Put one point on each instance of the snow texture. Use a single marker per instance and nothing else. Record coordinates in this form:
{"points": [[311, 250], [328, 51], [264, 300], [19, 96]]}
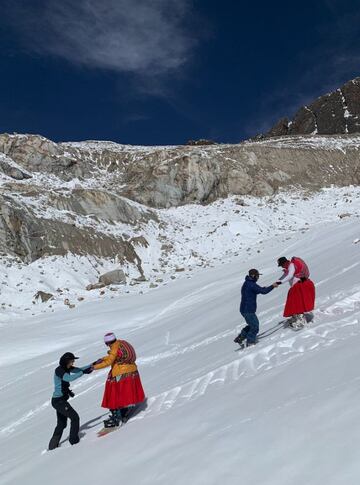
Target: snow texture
{"points": [[284, 412]]}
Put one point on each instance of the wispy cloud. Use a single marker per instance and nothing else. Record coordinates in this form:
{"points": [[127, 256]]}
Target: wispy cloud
{"points": [[142, 37]]}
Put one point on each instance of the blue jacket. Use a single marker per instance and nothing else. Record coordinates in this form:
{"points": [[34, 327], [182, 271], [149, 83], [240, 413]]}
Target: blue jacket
{"points": [[62, 379], [249, 291]]}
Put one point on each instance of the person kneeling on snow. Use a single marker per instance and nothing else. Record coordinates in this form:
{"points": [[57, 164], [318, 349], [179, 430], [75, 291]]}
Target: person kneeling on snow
{"points": [[64, 374], [301, 296], [123, 388], [249, 291]]}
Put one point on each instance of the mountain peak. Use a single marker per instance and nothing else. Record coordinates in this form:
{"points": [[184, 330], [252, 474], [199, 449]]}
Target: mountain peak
{"points": [[337, 112]]}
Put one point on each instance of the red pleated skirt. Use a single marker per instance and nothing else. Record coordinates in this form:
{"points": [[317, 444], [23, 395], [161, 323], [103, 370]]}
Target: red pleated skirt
{"points": [[300, 299], [123, 393]]}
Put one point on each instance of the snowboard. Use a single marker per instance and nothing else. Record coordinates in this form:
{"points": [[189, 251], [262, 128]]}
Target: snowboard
{"points": [[105, 431]]}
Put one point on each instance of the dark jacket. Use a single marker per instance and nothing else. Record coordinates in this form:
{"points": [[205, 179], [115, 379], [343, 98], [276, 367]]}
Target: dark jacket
{"points": [[62, 378], [249, 291]]}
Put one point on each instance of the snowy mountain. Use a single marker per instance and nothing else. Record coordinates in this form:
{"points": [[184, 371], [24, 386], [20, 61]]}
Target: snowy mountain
{"points": [[337, 112], [284, 412], [70, 212]]}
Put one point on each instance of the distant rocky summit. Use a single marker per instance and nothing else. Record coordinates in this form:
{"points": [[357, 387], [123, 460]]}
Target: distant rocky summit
{"points": [[334, 113]]}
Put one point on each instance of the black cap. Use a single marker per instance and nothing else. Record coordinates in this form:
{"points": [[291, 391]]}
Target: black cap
{"points": [[254, 273], [66, 358], [282, 261]]}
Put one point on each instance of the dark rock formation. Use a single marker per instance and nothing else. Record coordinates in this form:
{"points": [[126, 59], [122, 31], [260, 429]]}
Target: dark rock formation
{"points": [[334, 113]]}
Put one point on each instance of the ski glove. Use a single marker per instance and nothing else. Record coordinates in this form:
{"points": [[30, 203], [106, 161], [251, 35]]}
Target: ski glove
{"points": [[97, 362], [88, 370], [71, 393]]}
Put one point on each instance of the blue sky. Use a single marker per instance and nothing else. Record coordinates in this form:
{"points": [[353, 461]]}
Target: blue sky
{"points": [[166, 71]]}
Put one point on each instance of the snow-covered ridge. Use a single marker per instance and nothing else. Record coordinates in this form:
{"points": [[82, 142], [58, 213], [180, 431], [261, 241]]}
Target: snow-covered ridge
{"points": [[323, 142]]}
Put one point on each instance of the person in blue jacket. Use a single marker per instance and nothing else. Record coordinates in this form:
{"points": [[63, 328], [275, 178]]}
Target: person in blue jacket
{"points": [[249, 292], [64, 374]]}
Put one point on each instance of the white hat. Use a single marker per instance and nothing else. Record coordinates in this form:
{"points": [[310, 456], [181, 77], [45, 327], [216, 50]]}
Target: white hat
{"points": [[109, 337]]}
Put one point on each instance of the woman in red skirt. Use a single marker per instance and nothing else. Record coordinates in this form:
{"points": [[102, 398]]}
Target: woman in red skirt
{"points": [[123, 388], [301, 296]]}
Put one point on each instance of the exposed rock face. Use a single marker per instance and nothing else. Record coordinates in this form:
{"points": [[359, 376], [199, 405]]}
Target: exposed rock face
{"points": [[26, 235], [36, 153], [102, 205], [259, 168], [94, 197], [334, 113], [11, 169]]}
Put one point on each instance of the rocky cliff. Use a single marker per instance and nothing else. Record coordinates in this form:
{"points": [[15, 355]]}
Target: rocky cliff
{"points": [[337, 112], [96, 197]]}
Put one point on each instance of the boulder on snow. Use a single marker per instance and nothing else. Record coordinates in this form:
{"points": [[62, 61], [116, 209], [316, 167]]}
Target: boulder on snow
{"points": [[43, 296], [115, 277]]}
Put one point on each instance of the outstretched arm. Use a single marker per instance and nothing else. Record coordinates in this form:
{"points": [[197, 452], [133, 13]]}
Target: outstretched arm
{"points": [[289, 276], [263, 290], [73, 376], [109, 359]]}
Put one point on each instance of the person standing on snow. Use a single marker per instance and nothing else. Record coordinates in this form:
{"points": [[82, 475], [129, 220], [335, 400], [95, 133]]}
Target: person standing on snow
{"points": [[249, 291], [301, 296], [64, 374], [123, 388]]}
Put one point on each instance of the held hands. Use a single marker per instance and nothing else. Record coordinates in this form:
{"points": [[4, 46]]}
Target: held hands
{"points": [[88, 370]]}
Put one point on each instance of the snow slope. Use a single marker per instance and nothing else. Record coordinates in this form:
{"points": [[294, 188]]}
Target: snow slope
{"points": [[188, 238], [285, 412]]}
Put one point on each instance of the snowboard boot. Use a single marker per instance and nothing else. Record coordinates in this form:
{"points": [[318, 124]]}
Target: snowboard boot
{"points": [[114, 419], [239, 339], [298, 322], [126, 413]]}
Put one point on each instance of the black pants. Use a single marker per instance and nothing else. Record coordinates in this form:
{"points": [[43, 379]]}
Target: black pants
{"points": [[63, 412]]}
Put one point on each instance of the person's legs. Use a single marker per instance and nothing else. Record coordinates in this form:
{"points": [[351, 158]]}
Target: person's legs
{"points": [[60, 425], [243, 334], [75, 425], [64, 411], [58, 431], [253, 323]]}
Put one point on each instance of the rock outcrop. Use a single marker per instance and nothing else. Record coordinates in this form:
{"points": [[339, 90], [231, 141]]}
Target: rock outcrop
{"points": [[95, 198], [25, 234], [334, 113]]}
